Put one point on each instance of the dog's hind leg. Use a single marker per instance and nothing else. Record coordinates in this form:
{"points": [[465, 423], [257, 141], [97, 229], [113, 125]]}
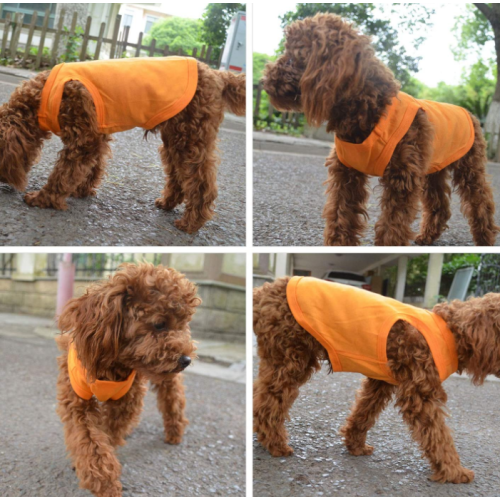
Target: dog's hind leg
{"points": [[172, 194], [436, 207], [120, 417], [344, 210], [88, 445], [420, 398], [470, 179], [371, 399], [288, 357], [171, 403], [199, 182], [83, 149]]}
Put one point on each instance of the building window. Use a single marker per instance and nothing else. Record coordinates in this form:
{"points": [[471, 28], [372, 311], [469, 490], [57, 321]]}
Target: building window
{"points": [[150, 20], [127, 19], [27, 9]]}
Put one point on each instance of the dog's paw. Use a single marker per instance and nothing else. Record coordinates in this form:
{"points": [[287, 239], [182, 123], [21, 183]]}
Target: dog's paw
{"points": [[456, 476], [112, 491], [165, 204], [184, 226], [40, 199], [173, 439], [424, 240], [281, 450], [84, 193], [361, 450]]}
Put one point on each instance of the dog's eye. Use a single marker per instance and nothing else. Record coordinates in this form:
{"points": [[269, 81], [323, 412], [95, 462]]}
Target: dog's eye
{"points": [[160, 326]]}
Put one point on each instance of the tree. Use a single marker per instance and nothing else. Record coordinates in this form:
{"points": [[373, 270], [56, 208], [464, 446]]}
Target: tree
{"points": [[368, 17], [177, 33], [259, 62], [215, 23], [480, 25]]}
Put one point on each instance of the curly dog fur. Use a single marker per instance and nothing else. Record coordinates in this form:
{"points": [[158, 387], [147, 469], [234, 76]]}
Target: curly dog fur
{"points": [[188, 151], [330, 72], [289, 356], [137, 320]]}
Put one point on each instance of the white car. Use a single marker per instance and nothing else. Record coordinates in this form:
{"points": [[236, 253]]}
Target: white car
{"points": [[347, 278]]}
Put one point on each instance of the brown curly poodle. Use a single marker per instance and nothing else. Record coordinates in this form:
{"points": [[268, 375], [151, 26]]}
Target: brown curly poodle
{"points": [[188, 152], [330, 72], [135, 322], [289, 355]]}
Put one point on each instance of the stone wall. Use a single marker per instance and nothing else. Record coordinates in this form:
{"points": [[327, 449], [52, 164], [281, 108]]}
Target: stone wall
{"points": [[221, 315]]}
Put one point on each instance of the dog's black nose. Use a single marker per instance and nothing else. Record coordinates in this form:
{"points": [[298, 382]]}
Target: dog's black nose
{"points": [[184, 361]]}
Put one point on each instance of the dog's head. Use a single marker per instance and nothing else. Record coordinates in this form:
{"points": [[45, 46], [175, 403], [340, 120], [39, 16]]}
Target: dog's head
{"points": [[326, 60], [138, 319], [475, 324]]}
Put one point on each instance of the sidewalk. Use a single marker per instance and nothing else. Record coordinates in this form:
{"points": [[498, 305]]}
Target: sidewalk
{"points": [[269, 142], [217, 359]]}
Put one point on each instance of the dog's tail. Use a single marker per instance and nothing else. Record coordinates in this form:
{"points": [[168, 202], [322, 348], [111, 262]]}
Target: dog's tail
{"points": [[234, 93]]}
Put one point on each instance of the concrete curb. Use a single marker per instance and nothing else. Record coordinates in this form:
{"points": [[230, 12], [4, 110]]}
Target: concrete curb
{"points": [[263, 141], [234, 123], [235, 373]]}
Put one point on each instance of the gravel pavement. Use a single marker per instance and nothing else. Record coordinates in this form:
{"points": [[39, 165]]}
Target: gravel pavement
{"points": [[123, 212], [321, 466], [209, 462], [289, 198]]}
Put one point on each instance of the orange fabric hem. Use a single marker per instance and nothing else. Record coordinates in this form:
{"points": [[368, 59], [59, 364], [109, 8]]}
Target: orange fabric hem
{"points": [[293, 303], [48, 115], [101, 389]]}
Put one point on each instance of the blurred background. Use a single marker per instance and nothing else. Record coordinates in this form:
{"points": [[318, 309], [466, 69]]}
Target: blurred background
{"points": [[421, 279]]}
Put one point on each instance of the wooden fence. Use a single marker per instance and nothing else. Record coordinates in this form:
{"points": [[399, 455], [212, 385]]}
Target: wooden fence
{"points": [[283, 119], [119, 42]]}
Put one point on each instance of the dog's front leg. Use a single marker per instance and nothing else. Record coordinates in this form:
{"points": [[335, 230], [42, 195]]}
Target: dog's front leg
{"points": [[344, 210], [120, 417], [421, 405], [371, 399], [402, 185], [87, 443], [171, 403]]}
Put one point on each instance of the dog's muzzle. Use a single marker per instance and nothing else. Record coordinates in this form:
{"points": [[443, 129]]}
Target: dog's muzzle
{"points": [[184, 361]]}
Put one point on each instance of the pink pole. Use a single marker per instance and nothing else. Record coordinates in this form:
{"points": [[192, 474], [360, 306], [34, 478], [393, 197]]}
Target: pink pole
{"points": [[65, 282]]}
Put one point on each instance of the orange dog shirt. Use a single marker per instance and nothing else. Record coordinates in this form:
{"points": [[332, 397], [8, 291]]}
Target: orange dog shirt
{"points": [[127, 93], [101, 389], [453, 136], [353, 325]]}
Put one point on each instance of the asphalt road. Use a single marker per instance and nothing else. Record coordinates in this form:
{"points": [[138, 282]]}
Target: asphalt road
{"points": [[321, 465], [209, 462], [123, 212], [289, 198]]}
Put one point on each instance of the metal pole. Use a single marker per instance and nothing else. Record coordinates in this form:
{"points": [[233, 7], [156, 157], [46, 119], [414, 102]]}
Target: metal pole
{"points": [[65, 283]]}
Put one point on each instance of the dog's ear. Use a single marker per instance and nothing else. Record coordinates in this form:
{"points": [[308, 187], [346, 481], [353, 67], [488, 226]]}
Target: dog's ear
{"points": [[337, 64], [95, 322], [13, 147]]}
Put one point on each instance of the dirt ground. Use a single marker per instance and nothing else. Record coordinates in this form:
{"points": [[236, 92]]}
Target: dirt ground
{"points": [[123, 212], [321, 465], [209, 462], [289, 198]]}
